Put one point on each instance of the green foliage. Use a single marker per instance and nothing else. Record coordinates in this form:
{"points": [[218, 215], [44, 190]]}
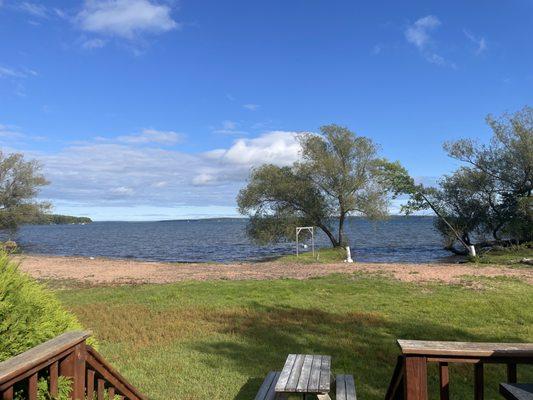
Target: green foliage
{"points": [[500, 177], [20, 181], [339, 174], [29, 314]]}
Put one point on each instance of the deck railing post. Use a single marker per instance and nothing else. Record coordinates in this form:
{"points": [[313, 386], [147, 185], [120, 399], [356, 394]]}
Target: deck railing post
{"points": [[415, 385], [444, 378], [73, 367], [511, 373], [478, 382]]}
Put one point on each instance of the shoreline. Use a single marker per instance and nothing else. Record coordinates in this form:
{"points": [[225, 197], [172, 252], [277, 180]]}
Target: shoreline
{"points": [[106, 271]]}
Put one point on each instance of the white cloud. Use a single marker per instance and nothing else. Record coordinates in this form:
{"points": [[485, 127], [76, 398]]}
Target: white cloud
{"points": [[113, 173], [480, 43], [419, 35], [419, 32], [93, 44], [125, 18], [277, 147], [229, 128], [152, 136], [251, 107]]}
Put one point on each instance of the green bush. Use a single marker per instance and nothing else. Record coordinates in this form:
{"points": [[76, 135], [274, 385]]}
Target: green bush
{"points": [[29, 313]]}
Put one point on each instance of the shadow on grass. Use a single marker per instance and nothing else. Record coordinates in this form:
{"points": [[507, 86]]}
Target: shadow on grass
{"points": [[363, 344]]}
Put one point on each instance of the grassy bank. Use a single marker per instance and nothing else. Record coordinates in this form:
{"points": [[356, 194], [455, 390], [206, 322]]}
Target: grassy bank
{"points": [[217, 339], [508, 256]]}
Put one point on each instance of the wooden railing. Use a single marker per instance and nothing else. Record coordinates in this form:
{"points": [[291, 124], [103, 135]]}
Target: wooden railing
{"points": [[409, 380], [67, 355]]}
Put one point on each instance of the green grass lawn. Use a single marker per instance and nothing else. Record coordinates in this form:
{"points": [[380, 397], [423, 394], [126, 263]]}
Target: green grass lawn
{"points": [[218, 339]]}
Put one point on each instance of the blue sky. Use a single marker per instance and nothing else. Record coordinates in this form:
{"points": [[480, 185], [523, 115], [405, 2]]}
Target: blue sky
{"points": [[153, 109]]}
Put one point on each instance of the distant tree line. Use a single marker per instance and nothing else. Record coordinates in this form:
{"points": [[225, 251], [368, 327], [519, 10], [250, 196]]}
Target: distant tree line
{"points": [[57, 219], [486, 201]]}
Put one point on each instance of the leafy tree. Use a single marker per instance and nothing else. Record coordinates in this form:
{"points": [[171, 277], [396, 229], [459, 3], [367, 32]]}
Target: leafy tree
{"points": [[339, 174], [20, 181], [506, 164], [491, 193]]}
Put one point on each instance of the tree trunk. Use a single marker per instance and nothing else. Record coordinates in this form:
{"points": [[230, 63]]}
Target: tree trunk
{"points": [[330, 235], [459, 238], [342, 217]]}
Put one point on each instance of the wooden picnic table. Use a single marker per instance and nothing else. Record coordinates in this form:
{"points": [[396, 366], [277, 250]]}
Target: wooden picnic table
{"points": [[306, 374]]}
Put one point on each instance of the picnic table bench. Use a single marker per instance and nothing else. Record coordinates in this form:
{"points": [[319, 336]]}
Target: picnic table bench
{"points": [[517, 391], [306, 374]]}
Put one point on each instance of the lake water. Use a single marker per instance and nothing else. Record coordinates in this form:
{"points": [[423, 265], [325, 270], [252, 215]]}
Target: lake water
{"points": [[398, 239]]}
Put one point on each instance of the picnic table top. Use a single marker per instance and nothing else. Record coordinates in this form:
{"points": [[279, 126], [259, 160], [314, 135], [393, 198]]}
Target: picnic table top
{"points": [[305, 373], [465, 349]]}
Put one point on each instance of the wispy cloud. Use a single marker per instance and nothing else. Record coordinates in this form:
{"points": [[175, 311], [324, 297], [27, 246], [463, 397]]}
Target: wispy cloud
{"points": [[93, 44], [419, 35], [251, 107], [479, 42], [16, 76], [126, 18], [152, 136], [229, 127], [33, 9]]}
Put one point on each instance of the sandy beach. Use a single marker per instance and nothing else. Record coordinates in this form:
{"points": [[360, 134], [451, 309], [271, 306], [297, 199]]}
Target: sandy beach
{"points": [[102, 271]]}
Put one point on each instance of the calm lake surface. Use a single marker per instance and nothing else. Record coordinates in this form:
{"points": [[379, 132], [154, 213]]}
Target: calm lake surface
{"points": [[399, 239]]}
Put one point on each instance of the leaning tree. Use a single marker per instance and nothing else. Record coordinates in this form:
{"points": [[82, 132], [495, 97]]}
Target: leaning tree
{"points": [[338, 174], [20, 181]]}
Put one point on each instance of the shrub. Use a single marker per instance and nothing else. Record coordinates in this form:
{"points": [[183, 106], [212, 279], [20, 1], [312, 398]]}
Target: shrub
{"points": [[29, 313]]}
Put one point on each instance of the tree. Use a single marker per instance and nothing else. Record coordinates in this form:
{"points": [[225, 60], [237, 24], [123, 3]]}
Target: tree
{"points": [[339, 174], [20, 181], [507, 164], [490, 194]]}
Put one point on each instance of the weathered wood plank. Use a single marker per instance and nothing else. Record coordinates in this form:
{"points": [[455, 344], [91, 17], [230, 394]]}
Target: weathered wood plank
{"points": [[292, 382], [325, 375], [271, 394], [303, 381], [314, 378], [285, 373], [40, 354], [350, 387], [341, 387], [268, 382], [517, 391], [465, 349]]}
